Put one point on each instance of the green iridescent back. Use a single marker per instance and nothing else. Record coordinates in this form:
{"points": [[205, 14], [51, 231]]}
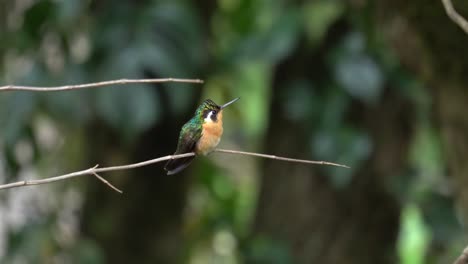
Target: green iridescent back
{"points": [[190, 134]]}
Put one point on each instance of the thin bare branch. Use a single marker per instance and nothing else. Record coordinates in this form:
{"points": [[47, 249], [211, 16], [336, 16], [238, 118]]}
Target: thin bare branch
{"points": [[144, 163], [92, 171], [95, 170], [96, 84], [280, 158], [455, 16], [107, 183], [48, 180]]}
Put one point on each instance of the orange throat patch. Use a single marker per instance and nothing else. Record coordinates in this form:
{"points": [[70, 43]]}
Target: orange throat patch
{"points": [[211, 135]]}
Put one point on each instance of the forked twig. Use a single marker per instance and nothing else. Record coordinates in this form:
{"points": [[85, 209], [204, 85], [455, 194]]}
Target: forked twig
{"points": [[92, 171], [95, 170]]}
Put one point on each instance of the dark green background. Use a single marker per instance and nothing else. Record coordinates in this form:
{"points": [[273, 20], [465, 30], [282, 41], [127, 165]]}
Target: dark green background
{"points": [[377, 85]]}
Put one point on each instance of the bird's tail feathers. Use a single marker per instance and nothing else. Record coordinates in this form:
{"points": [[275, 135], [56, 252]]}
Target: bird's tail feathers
{"points": [[176, 165]]}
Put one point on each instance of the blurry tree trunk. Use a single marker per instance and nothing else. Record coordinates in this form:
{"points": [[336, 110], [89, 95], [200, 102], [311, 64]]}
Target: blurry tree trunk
{"points": [[299, 205], [434, 47], [143, 225]]}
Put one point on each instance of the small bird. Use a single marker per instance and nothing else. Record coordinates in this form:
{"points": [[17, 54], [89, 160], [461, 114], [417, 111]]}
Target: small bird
{"points": [[201, 134]]}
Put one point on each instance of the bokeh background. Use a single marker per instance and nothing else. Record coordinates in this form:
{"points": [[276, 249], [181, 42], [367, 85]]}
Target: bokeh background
{"points": [[377, 85]]}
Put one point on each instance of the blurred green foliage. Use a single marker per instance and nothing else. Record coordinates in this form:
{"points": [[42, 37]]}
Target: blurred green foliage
{"points": [[236, 47], [414, 237]]}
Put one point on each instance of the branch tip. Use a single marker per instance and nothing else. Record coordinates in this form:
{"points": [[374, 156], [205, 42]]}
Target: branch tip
{"points": [[455, 16], [95, 84]]}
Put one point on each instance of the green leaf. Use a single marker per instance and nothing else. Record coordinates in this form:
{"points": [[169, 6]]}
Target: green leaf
{"points": [[414, 236], [361, 77], [271, 45], [282, 37], [165, 50], [357, 72]]}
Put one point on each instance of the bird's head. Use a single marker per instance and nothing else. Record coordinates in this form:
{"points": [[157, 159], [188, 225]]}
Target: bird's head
{"points": [[209, 111]]}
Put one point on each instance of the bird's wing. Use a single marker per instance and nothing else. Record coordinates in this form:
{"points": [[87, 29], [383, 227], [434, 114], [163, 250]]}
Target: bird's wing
{"points": [[188, 138]]}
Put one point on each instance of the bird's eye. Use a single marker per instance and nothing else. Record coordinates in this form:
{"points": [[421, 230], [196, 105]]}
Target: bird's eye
{"points": [[211, 116]]}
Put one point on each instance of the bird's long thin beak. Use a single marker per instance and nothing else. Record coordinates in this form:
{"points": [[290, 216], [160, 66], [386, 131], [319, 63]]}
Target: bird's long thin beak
{"points": [[230, 102]]}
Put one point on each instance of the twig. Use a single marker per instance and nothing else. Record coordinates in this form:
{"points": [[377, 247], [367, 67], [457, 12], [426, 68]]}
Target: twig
{"points": [[280, 158], [107, 183], [95, 170], [92, 171], [463, 258], [97, 84], [455, 16]]}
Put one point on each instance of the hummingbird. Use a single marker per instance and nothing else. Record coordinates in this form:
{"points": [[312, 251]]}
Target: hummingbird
{"points": [[200, 135]]}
